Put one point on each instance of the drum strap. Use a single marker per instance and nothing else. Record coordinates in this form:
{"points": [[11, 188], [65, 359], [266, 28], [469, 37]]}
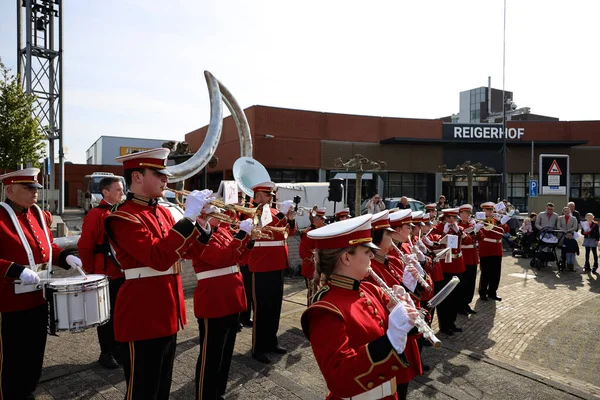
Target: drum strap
{"points": [[45, 228], [21, 235]]}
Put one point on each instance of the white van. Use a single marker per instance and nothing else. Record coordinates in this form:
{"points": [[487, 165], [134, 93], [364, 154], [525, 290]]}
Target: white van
{"points": [[311, 194]]}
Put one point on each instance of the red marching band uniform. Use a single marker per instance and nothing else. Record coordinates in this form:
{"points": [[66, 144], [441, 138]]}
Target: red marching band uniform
{"points": [[150, 308], [97, 258], [305, 250], [448, 309], [219, 299], [23, 308], [471, 257], [267, 261], [491, 252], [347, 324]]}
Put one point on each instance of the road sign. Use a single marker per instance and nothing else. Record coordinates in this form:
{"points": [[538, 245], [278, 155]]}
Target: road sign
{"points": [[554, 169], [533, 188]]}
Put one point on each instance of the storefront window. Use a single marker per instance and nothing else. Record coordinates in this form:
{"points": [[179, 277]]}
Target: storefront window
{"points": [[293, 176], [585, 186], [410, 185]]}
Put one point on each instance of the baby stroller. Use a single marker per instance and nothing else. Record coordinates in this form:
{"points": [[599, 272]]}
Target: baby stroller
{"points": [[523, 245], [547, 241]]}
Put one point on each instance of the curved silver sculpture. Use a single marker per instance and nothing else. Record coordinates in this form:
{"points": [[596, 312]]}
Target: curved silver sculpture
{"points": [[217, 92]]}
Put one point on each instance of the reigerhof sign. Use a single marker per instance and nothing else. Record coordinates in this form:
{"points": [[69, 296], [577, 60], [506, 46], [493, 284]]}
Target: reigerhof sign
{"points": [[475, 132], [554, 174]]}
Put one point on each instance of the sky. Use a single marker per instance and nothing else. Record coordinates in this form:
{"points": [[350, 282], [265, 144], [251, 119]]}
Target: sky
{"points": [[134, 68]]}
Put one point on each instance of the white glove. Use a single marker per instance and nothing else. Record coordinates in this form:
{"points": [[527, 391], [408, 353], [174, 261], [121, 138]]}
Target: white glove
{"points": [[427, 241], [420, 255], [421, 246], [408, 278], [74, 262], [285, 206], [478, 227], [210, 209], [399, 324], [455, 227], [447, 228], [195, 202], [247, 226], [28, 277]]}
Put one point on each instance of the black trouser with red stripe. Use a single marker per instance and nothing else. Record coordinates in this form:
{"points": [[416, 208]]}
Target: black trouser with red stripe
{"points": [[22, 346], [148, 367], [468, 281], [245, 316], [448, 309], [217, 339], [267, 293], [106, 335], [491, 268]]}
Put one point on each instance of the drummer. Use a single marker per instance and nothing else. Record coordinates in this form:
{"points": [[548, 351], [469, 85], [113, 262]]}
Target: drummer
{"points": [[359, 346], [148, 245], [98, 259], [23, 309]]}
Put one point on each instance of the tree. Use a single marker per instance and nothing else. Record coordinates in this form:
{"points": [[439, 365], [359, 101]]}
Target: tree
{"points": [[21, 140]]}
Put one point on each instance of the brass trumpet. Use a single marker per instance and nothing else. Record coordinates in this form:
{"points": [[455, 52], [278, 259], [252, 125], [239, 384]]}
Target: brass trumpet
{"points": [[488, 226], [311, 211]]}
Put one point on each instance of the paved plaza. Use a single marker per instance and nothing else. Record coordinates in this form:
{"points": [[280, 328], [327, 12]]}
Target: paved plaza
{"points": [[540, 342]]}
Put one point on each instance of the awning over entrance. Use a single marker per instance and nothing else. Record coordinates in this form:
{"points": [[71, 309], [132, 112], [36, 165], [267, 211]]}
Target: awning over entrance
{"points": [[350, 175]]}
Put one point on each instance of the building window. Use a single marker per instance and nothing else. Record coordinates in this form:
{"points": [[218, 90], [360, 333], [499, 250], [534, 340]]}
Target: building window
{"points": [[584, 186], [409, 185], [518, 190]]}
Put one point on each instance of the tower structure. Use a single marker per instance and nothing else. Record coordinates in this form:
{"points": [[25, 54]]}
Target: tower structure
{"points": [[39, 65]]}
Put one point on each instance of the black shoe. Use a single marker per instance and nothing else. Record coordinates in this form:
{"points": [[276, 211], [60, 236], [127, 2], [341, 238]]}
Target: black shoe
{"points": [[594, 270], [463, 312], [457, 329], [469, 310], [247, 322], [496, 298], [425, 367], [279, 350], [261, 357], [108, 361], [448, 331], [483, 298], [30, 396]]}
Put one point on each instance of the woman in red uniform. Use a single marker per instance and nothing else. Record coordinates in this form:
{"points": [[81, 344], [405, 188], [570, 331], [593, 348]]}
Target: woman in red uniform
{"points": [[307, 246], [358, 346], [219, 299]]}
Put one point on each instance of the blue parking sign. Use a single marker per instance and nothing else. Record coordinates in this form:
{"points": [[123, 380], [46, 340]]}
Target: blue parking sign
{"points": [[533, 188]]}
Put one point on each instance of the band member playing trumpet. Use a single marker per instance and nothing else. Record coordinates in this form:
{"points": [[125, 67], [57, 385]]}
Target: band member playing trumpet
{"points": [[97, 258], [306, 249], [342, 215], [431, 211], [358, 345], [490, 253], [391, 270], [218, 300], [267, 261], [148, 245], [26, 250]]}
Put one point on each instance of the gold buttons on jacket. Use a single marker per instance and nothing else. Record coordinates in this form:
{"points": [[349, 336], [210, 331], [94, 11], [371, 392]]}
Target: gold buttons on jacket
{"points": [[375, 312], [381, 377], [361, 294], [370, 385], [368, 302], [395, 368]]}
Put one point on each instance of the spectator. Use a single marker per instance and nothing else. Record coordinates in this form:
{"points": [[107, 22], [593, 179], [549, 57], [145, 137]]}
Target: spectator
{"points": [[574, 212], [567, 222], [527, 229], [442, 203], [375, 205], [403, 205], [547, 219], [569, 249], [590, 242]]}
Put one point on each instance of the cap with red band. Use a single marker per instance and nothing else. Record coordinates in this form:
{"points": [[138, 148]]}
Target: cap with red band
{"points": [[487, 206], [430, 207], [321, 211], [27, 177], [451, 212], [155, 159], [417, 217], [465, 207], [381, 220], [401, 217], [266, 187], [343, 212], [348, 233]]}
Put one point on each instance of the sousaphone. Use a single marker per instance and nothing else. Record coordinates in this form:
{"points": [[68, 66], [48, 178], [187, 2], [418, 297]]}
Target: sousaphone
{"points": [[248, 172]]}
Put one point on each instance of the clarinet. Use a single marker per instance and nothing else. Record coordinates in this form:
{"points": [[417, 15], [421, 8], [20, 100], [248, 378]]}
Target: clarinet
{"points": [[406, 261], [420, 323]]}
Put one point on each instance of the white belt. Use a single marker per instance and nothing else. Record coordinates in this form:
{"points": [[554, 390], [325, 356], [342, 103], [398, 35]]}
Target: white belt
{"points": [[468, 246], [146, 272], [234, 269], [276, 243], [379, 392], [492, 240]]}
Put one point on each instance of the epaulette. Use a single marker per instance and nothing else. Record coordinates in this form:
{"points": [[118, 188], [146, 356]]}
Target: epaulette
{"points": [[115, 212]]}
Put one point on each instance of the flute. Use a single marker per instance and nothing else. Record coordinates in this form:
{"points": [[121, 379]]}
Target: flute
{"points": [[420, 323], [406, 261]]}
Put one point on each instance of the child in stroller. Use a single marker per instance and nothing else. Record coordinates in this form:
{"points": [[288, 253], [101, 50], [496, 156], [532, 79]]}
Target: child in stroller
{"points": [[548, 240], [523, 245]]}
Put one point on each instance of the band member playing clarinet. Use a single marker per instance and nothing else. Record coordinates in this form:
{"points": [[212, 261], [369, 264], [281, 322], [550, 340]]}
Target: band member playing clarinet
{"points": [[359, 347], [471, 257], [218, 300], [26, 250], [148, 245], [97, 258], [306, 248], [267, 261]]}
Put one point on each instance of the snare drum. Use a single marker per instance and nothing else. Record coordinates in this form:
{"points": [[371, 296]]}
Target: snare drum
{"points": [[78, 303]]}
